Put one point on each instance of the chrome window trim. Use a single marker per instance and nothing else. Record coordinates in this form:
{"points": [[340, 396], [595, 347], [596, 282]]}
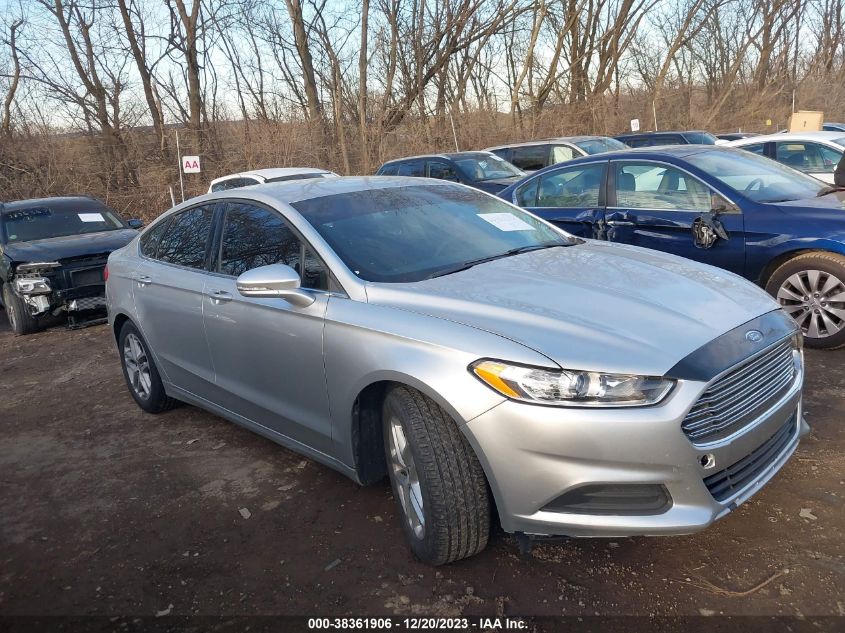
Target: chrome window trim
{"points": [[679, 168]]}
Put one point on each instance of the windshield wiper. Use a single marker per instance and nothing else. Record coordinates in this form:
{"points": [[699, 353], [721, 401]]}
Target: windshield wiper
{"points": [[483, 260], [827, 190]]}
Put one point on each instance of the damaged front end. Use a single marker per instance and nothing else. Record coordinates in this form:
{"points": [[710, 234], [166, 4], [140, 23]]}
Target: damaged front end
{"points": [[74, 287]]}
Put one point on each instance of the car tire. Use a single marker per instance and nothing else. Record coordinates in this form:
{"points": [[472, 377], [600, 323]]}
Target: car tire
{"points": [[437, 480], [20, 319], [140, 372], [811, 289]]}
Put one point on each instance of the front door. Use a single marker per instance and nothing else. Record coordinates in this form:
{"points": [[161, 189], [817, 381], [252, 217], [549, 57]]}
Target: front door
{"points": [[656, 205], [570, 197], [268, 353]]}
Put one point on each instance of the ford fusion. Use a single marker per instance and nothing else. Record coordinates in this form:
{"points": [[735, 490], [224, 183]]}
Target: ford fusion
{"points": [[484, 360]]}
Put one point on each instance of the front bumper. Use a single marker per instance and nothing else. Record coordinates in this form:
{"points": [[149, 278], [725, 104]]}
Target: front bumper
{"points": [[532, 455]]}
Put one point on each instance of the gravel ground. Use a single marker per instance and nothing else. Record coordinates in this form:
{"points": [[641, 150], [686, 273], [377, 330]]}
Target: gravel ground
{"points": [[109, 511]]}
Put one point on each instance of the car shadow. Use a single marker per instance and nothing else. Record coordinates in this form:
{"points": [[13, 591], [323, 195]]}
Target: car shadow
{"points": [[4, 322]]}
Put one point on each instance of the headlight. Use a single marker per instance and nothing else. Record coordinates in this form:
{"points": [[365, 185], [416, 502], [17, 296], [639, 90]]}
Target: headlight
{"points": [[33, 285], [570, 388]]}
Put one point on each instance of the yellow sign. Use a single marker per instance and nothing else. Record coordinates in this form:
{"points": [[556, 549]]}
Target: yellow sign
{"points": [[768, 121]]}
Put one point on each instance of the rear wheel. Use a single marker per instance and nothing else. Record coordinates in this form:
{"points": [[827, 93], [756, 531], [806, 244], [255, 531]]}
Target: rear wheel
{"points": [[437, 480], [20, 318], [140, 371], [811, 289]]}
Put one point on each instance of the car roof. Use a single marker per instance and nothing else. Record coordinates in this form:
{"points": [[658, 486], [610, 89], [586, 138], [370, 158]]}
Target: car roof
{"points": [[551, 139], [661, 132], [793, 136], [275, 172], [57, 202], [447, 155], [292, 191]]}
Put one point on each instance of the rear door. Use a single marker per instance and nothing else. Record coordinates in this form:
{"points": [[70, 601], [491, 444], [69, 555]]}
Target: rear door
{"points": [[168, 289], [570, 197], [655, 205]]}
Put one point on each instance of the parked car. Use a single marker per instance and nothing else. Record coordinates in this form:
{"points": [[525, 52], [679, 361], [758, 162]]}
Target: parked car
{"points": [[733, 136], [482, 170], [260, 176], [652, 139], [814, 153], [833, 127], [535, 155], [721, 206], [482, 359], [52, 255]]}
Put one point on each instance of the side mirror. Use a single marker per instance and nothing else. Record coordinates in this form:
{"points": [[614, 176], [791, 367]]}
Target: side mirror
{"points": [[276, 281], [135, 223], [718, 204]]}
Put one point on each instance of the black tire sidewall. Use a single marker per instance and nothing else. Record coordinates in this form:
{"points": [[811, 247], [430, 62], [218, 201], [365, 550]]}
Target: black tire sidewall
{"points": [[423, 548], [20, 320], [158, 398], [802, 264]]}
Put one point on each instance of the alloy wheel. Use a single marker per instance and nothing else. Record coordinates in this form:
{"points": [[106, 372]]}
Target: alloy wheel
{"points": [[407, 479], [137, 366], [816, 300]]}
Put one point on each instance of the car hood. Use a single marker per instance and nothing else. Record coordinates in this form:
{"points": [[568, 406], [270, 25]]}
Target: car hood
{"points": [[57, 248], [593, 306], [832, 202]]}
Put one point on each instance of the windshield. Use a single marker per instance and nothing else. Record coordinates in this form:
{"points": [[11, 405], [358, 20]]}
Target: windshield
{"points": [[700, 138], [411, 233], [482, 167], [39, 223], [600, 145], [756, 177]]}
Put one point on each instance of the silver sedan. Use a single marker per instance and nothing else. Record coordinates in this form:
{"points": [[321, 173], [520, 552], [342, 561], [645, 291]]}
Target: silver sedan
{"points": [[481, 358]]}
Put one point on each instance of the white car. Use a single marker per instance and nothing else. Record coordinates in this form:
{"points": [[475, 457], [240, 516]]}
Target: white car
{"points": [[814, 153], [259, 176]]}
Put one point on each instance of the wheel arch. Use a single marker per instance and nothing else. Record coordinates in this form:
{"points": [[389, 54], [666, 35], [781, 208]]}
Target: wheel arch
{"points": [[365, 421]]}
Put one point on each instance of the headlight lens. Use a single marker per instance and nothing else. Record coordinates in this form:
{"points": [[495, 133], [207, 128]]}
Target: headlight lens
{"points": [[33, 285], [571, 388]]}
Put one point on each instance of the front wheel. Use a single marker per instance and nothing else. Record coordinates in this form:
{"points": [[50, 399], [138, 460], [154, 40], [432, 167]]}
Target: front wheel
{"points": [[437, 480], [17, 311], [811, 289]]}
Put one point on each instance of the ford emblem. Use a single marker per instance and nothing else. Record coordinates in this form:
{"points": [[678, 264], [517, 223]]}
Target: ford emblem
{"points": [[754, 336]]}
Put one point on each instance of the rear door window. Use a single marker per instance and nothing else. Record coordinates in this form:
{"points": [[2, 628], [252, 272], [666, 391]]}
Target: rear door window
{"points": [[442, 171], [185, 241], [576, 187], [530, 157], [415, 168], [807, 157], [150, 239]]}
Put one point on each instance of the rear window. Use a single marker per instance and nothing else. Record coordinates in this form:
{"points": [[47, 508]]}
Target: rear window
{"points": [[700, 138], [45, 222]]}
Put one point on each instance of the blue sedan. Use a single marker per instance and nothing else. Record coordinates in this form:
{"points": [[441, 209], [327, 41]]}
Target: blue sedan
{"points": [[726, 207]]}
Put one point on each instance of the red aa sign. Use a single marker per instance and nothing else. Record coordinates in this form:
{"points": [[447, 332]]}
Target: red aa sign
{"points": [[191, 164]]}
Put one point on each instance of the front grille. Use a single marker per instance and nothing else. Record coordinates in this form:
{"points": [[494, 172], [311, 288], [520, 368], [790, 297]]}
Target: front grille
{"points": [[728, 482], [742, 395]]}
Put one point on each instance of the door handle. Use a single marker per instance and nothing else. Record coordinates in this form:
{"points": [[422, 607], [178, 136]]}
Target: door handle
{"points": [[144, 280], [619, 223], [220, 296]]}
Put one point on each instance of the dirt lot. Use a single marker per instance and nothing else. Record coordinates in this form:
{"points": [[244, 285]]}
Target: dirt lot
{"points": [[107, 510]]}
